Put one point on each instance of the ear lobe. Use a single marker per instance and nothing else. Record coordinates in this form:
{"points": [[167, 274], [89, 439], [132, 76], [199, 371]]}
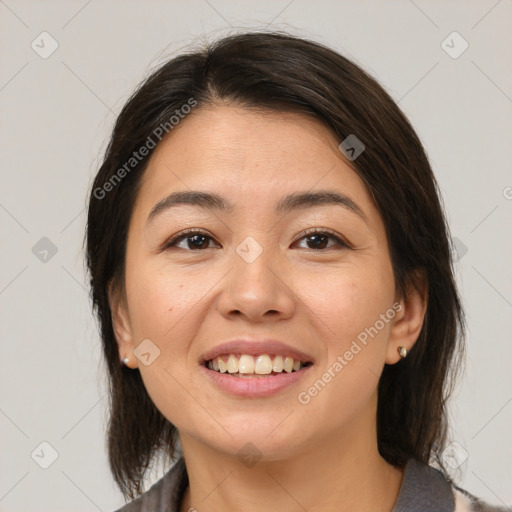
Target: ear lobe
{"points": [[121, 324], [409, 318]]}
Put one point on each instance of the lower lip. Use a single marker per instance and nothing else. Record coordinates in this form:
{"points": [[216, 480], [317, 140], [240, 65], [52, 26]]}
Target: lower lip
{"points": [[254, 386]]}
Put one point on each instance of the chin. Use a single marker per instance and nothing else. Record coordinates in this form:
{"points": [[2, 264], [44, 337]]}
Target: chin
{"points": [[259, 442]]}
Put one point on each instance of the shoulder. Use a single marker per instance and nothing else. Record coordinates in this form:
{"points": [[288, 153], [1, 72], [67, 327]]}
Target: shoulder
{"points": [[425, 488], [163, 496], [466, 502]]}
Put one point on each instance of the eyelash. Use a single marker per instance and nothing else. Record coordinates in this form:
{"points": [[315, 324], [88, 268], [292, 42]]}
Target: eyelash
{"points": [[187, 233]]}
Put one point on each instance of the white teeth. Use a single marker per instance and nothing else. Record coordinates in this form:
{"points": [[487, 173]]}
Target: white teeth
{"points": [[288, 364], [261, 365], [223, 367], [232, 364], [278, 364], [245, 364]]}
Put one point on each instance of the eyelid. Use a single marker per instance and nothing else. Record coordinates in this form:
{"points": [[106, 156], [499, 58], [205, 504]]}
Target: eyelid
{"points": [[182, 234], [309, 231]]}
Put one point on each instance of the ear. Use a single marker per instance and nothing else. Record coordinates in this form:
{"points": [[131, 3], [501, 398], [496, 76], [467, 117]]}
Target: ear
{"points": [[410, 315], [122, 326]]}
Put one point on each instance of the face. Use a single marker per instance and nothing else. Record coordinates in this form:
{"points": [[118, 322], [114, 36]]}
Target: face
{"points": [[314, 276]]}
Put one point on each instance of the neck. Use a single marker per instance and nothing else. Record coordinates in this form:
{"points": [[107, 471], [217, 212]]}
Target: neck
{"points": [[341, 472]]}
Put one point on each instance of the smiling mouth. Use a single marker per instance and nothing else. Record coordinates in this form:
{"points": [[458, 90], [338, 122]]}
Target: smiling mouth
{"points": [[247, 366]]}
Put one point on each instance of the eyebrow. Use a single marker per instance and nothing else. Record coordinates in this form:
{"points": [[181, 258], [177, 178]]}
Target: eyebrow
{"points": [[296, 201]]}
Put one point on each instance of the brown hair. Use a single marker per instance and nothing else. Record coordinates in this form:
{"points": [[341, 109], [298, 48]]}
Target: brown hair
{"points": [[280, 72]]}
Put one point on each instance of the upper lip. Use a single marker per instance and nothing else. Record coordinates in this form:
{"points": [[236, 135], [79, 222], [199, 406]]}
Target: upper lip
{"points": [[254, 347]]}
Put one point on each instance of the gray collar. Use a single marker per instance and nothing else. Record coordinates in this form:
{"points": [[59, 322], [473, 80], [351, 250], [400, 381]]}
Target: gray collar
{"points": [[423, 489]]}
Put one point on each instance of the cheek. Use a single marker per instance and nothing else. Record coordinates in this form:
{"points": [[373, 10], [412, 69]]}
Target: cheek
{"points": [[347, 302], [355, 340], [162, 308], [349, 306], [159, 301]]}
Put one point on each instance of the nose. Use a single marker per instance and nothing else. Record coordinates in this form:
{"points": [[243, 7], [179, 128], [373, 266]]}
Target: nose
{"points": [[257, 290]]}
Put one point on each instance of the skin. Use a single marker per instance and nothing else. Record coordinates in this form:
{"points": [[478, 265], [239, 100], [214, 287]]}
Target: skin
{"points": [[321, 456]]}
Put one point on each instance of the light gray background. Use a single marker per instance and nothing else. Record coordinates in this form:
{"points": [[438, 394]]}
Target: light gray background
{"points": [[56, 116]]}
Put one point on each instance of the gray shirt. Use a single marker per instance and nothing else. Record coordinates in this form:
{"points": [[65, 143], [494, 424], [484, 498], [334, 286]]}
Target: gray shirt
{"points": [[423, 489]]}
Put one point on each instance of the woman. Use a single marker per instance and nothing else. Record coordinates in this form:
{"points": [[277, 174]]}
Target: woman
{"points": [[270, 266]]}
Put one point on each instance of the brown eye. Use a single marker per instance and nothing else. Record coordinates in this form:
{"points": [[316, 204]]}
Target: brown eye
{"points": [[194, 240], [319, 239]]}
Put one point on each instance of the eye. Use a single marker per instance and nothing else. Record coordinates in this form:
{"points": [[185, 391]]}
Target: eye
{"points": [[319, 238], [196, 240], [193, 238]]}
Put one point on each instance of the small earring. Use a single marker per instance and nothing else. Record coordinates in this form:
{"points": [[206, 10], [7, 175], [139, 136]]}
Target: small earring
{"points": [[402, 351], [126, 360]]}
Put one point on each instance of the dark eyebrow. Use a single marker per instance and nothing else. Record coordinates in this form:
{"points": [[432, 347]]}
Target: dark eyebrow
{"points": [[296, 201], [206, 200], [322, 197]]}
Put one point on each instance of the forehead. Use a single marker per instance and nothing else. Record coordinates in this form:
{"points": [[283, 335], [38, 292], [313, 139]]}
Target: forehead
{"points": [[252, 157]]}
